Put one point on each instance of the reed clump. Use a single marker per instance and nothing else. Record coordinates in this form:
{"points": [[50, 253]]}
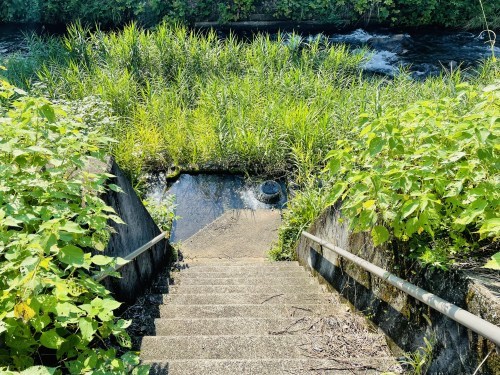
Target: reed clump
{"points": [[189, 99]]}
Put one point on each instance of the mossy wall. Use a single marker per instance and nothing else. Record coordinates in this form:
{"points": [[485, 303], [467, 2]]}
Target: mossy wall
{"points": [[404, 320]]}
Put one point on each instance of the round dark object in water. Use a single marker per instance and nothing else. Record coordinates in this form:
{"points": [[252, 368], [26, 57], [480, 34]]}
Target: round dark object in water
{"points": [[269, 192]]}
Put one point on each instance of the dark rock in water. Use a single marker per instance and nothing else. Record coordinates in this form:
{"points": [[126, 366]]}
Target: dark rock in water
{"points": [[398, 43], [269, 192]]}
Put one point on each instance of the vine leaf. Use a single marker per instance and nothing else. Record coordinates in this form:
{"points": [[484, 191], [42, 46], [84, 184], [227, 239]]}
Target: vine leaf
{"points": [[494, 263], [72, 255], [380, 234], [50, 339]]}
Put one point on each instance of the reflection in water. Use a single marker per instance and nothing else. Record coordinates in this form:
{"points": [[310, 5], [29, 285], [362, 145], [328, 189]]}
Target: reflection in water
{"points": [[200, 199]]}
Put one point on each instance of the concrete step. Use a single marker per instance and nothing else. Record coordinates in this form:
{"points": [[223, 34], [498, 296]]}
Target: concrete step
{"points": [[231, 289], [245, 310], [244, 261], [261, 347], [242, 273], [252, 281], [245, 299], [252, 326], [238, 267], [280, 366]]}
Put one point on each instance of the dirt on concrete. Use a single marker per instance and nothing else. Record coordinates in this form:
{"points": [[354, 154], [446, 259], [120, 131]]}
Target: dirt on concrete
{"points": [[243, 234]]}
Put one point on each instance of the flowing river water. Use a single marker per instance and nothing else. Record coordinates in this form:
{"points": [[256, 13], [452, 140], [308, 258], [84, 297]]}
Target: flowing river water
{"points": [[422, 53]]}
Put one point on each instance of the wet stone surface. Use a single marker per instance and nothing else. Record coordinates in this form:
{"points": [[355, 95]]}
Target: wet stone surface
{"points": [[200, 199]]}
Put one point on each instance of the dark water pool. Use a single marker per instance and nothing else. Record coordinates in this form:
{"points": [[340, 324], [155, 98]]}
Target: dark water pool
{"points": [[202, 198]]}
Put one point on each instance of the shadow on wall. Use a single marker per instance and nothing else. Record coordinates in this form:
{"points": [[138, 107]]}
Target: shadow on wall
{"points": [[137, 275], [403, 319]]}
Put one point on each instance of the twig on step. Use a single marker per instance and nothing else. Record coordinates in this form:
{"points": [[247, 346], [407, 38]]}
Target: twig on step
{"points": [[287, 329], [270, 298]]}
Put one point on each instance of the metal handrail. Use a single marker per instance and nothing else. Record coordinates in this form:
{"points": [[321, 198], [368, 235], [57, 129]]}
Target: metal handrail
{"points": [[129, 258], [465, 318]]}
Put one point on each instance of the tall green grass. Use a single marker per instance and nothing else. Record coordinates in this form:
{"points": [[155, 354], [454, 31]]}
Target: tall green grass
{"points": [[189, 100]]}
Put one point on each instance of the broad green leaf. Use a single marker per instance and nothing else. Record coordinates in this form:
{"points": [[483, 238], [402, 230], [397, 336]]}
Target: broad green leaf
{"points": [[475, 209], [101, 260], [380, 234], [48, 112], [110, 304], [67, 309], [124, 339], [9, 221], [72, 255], [39, 370], [88, 327], [50, 339], [494, 263], [24, 311], [334, 165], [115, 187], [141, 370], [336, 192], [376, 145], [456, 157], [408, 208], [369, 204], [490, 227], [71, 227], [39, 149]]}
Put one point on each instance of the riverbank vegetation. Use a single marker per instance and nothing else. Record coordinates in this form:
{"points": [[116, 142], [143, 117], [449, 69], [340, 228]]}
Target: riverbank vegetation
{"points": [[185, 101], [52, 311], [459, 13], [414, 161]]}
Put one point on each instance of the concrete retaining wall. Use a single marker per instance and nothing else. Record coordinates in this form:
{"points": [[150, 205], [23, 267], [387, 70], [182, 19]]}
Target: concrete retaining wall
{"points": [[404, 320], [139, 229]]}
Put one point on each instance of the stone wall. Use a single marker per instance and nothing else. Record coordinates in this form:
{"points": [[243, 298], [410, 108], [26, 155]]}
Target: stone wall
{"points": [[404, 320], [139, 229]]}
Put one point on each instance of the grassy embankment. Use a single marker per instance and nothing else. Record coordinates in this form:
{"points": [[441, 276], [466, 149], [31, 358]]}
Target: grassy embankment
{"points": [[185, 100]]}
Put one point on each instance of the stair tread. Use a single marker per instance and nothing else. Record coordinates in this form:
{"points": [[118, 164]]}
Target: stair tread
{"points": [[361, 344], [244, 289], [292, 272], [245, 310], [245, 298], [277, 366], [268, 280], [340, 323]]}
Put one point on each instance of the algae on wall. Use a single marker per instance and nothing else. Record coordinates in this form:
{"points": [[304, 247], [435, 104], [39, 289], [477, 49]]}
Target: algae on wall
{"points": [[404, 320]]}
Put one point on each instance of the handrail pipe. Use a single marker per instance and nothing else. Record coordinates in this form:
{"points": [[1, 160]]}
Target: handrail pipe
{"points": [[134, 254], [465, 318]]}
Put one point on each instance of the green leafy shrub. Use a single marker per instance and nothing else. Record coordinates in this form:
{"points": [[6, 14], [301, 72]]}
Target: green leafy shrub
{"points": [[426, 174], [162, 211], [52, 312], [303, 209], [457, 13]]}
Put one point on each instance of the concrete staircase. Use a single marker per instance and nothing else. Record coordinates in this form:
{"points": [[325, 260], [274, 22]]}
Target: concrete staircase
{"points": [[251, 316]]}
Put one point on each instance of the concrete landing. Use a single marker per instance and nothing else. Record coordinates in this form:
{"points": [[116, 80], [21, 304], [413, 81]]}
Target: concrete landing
{"points": [[244, 234]]}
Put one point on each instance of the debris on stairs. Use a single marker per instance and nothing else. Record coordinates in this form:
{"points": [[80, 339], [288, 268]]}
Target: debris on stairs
{"points": [[225, 314]]}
